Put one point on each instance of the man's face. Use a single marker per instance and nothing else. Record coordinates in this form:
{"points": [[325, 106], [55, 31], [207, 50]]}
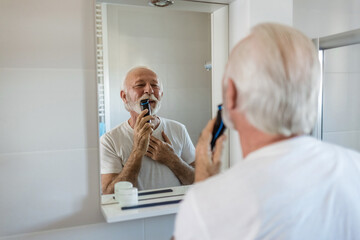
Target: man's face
{"points": [[142, 84]]}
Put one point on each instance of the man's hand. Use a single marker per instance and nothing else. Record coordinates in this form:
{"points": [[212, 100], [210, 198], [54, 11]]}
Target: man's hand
{"points": [[208, 163], [142, 132], [159, 150], [164, 153]]}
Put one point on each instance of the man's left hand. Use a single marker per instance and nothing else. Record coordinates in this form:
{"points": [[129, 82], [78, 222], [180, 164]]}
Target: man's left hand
{"points": [[159, 150]]}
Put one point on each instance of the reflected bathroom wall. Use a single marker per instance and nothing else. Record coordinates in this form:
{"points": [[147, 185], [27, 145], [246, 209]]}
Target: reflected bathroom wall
{"points": [[175, 44]]}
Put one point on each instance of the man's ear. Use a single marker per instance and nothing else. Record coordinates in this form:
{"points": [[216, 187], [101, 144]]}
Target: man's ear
{"points": [[123, 96], [231, 95]]}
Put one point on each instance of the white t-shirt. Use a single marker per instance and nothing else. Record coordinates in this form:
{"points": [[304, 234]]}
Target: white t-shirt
{"points": [[116, 146], [299, 188]]}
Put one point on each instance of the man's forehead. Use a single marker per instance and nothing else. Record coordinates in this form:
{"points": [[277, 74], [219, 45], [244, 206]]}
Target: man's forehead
{"points": [[142, 75]]}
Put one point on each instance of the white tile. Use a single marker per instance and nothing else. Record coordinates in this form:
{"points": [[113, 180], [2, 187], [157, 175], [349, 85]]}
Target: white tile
{"points": [[346, 139], [336, 60], [130, 230], [342, 59], [185, 52], [49, 190], [188, 76], [47, 109], [341, 102], [141, 51], [47, 34], [159, 228]]}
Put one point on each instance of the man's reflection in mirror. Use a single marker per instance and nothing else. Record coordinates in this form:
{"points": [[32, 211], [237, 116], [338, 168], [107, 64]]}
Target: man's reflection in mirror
{"points": [[149, 151]]}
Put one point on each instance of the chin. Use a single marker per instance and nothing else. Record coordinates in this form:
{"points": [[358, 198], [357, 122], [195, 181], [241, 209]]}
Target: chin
{"points": [[156, 109]]}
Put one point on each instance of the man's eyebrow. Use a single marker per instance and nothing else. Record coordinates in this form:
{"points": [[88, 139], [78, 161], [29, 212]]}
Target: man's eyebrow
{"points": [[139, 81]]}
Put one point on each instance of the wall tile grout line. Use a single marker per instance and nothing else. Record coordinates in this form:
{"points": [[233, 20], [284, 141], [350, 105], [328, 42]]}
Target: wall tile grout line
{"points": [[49, 151]]}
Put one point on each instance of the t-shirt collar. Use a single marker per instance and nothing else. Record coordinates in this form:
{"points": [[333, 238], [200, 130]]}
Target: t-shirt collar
{"points": [[284, 145]]}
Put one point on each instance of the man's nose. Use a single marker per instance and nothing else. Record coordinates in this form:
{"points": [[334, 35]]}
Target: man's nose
{"points": [[148, 89]]}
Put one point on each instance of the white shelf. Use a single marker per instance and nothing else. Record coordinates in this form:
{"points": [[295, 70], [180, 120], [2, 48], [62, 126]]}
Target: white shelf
{"points": [[113, 212]]}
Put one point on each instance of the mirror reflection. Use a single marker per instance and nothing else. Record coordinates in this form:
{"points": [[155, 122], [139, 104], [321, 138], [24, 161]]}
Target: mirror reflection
{"points": [[161, 56], [147, 150]]}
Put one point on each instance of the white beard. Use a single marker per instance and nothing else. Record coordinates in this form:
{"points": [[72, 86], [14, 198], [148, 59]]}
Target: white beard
{"points": [[135, 106]]}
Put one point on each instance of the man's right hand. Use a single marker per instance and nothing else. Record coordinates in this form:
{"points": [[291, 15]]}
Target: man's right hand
{"points": [[142, 132]]}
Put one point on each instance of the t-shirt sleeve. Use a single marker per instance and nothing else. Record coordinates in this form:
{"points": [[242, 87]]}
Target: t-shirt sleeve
{"points": [[188, 149], [110, 162], [188, 224]]}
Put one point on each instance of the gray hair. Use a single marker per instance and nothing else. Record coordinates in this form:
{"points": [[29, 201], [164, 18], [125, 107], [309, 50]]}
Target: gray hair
{"points": [[277, 75]]}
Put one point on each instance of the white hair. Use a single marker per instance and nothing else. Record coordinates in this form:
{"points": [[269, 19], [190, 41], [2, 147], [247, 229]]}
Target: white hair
{"points": [[277, 75]]}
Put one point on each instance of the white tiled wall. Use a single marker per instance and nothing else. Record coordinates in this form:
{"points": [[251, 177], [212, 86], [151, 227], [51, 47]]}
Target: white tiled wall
{"points": [[49, 168], [319, 18], [176, 44], [341, 99], [243, 15], [159, 228]]}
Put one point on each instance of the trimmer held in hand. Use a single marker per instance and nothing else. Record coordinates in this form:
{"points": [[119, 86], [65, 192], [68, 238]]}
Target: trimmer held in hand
{"points": [[145, 104], [219, 127]]}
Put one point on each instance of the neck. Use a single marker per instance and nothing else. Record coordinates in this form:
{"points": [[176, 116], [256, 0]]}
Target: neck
{"points": [[252, 139], [256, 140], [134, 116]]}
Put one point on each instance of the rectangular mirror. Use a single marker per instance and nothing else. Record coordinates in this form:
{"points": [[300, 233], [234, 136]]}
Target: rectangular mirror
{"points": [[178, 43]]}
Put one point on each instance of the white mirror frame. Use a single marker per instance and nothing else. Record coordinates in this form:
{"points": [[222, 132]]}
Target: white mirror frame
{"points": [[219, 55]]}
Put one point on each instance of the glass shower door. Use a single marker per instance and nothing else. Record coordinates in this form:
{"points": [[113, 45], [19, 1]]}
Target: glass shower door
{"points": [[341, 95]]}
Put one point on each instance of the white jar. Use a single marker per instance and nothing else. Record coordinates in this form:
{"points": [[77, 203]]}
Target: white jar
{"points": [[121, 185], [127, 197]]}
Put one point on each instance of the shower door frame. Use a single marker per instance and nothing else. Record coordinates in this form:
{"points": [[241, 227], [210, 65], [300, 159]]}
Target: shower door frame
{"points": [[324, 43]]}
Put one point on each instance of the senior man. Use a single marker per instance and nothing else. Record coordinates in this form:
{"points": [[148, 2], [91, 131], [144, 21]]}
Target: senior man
{"points": [[149, 151], [289, 185]]}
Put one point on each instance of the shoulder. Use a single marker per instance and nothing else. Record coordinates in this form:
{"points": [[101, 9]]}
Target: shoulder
{"points": [[216, 199], [115, 133], [339, 151], [229, 183], [213, 184], [173, 124]]}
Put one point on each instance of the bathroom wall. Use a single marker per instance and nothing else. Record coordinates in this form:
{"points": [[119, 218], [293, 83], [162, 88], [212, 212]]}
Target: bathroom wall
{"points": [[175, 44], [321, 18], [341, 101], [49, 169], [244, 14]]}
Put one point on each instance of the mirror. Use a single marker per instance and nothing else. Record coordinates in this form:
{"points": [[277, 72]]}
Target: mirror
{"points": [[177, 43]]}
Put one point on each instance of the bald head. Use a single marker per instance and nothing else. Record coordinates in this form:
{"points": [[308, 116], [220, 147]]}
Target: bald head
{"points": [[136, 73]]}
